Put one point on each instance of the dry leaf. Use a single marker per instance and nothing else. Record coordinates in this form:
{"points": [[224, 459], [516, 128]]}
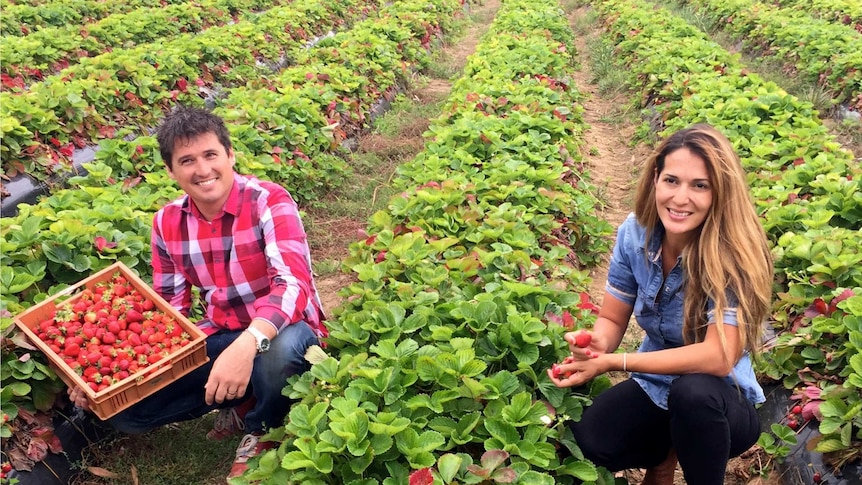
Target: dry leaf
{"points": [[315, 354], [135, 475], [101, 472]]}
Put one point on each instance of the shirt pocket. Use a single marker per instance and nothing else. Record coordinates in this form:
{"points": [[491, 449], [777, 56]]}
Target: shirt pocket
{"points": [[248, 265], [643, 305]]}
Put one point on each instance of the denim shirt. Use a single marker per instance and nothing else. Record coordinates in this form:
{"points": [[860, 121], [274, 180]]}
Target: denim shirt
{"points": [[657, 302]]}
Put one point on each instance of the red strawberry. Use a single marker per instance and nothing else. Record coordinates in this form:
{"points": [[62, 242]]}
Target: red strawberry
{"points": [[583, 340]]}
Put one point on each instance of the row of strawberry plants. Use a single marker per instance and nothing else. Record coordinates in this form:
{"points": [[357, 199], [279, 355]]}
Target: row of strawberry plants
{"points": [[821, 51], [469, 279], [805, 186], [20, 19], [105, 215], [89, 101], [289, 126], [51, 50], [847, 12]]}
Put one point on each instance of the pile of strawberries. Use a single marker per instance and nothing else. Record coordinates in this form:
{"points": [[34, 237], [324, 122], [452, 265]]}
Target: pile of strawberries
{"points": [[110, 332]]}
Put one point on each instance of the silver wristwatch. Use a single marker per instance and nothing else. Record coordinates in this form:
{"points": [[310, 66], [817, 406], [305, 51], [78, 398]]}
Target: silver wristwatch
{"points": [[260, 338]]}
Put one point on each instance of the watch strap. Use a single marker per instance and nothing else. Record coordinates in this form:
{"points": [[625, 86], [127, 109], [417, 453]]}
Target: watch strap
{"points": [[259, 338]]}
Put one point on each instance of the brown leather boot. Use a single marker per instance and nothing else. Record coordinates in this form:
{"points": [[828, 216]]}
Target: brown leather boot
{"points": [[662, 474]]}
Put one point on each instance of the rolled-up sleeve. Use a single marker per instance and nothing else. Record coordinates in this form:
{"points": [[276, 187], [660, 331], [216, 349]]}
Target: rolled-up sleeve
{"points": [[729, 313]]}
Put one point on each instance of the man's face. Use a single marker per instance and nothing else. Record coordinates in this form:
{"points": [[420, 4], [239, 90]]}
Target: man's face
{"points": [[203, 168]]}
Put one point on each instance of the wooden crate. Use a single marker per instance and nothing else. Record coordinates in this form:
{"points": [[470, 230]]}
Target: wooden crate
{"points": [[125, 393]]}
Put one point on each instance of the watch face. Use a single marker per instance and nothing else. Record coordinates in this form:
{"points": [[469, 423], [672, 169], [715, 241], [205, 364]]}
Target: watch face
{"points": [[264, 345]]}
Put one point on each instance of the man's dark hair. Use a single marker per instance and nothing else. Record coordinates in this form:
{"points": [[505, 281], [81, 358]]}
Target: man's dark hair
{"points": [[185, 123]]}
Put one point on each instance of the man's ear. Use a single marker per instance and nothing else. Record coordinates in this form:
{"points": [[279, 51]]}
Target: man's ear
{"points": [[232, 157], [170, 172]]}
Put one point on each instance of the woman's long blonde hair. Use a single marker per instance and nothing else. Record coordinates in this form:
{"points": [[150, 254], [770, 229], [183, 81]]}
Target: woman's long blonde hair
{"points": [[730, 256]]}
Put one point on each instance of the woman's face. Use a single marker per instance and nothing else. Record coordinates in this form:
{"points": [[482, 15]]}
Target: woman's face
{"points": [[683, 194]]}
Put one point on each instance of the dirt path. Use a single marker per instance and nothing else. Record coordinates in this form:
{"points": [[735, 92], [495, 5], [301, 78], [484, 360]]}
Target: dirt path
{"points": [[407, 144]]}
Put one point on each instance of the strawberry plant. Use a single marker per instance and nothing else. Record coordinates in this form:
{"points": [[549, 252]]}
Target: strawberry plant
{"points": [[825, 52], [438, 358], [90, 100]]}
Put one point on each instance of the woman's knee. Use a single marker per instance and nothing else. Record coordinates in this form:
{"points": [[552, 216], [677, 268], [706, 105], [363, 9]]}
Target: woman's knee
{"points": [[695, 391]]}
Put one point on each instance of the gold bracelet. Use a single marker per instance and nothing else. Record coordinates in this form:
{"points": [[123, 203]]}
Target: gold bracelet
{"points": [[624, 361]]}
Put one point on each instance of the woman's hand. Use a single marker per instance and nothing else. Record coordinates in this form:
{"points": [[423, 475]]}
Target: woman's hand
{"points": [[585, 344], [573, 372]]}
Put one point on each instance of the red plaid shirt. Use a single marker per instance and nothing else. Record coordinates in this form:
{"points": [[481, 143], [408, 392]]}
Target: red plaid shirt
{"points": [[251, 261]]}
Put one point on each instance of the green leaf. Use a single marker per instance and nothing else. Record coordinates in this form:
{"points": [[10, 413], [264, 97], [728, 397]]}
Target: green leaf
{"points": [[448, 466], [12, 281], [581, 470], [852, 305], [502, 430], [829, 446]]}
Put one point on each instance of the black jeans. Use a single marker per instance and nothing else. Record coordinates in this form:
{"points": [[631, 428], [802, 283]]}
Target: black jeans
{"points": [[707, 423]]}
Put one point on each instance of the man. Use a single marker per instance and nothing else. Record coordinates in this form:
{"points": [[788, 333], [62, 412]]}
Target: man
{"points": [[241, 243]]}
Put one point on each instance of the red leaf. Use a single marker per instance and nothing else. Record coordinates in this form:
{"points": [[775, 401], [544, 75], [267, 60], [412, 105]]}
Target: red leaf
{"points": [[422, 477], [128, 184], [37, 450], [568, 320], [106, 131], [552, 317], [67, 150], [102, 243], [585, 304]]}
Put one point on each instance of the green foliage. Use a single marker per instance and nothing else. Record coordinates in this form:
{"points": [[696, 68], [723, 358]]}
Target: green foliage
{"points": [[437, 362]]}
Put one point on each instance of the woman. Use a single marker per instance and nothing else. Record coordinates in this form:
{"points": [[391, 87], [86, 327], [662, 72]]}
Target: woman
{"points": [[693, 265]]}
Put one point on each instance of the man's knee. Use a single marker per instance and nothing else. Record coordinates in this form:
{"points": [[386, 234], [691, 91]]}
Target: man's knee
{"points": [[287, 354]]}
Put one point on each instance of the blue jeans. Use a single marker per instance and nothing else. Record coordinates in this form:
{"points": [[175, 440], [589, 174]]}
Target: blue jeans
{"points": [[184, 399]]}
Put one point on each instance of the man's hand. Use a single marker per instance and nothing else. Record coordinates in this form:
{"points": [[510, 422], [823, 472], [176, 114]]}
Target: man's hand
{"points": [[79, 398], [231, 370]]}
